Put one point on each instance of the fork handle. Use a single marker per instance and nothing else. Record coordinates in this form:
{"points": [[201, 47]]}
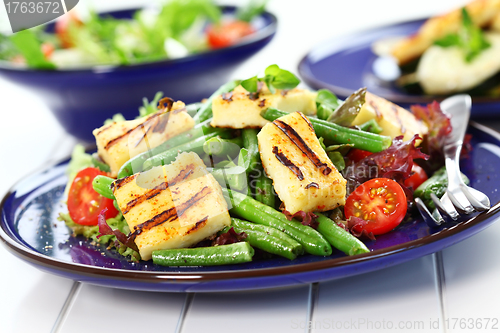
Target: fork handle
{"points": [[452, 156]]}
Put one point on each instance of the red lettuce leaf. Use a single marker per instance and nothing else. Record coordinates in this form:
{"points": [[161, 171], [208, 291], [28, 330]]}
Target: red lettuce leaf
{"points": [[308, 219], [439, 125], [356, 227], [229, 237], [105, 229], [395, 163]]}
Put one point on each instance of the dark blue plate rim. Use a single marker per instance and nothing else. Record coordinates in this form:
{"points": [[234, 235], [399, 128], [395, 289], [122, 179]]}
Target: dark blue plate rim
{"points": [[258, 278], [261, 34], [358, 40]]}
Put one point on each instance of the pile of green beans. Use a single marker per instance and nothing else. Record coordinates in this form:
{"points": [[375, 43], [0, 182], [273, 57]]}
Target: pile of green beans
{"points": [[268, 239], [255, 211]]}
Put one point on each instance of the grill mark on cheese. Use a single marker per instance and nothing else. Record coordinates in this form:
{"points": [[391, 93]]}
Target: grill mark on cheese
{"points": [[228, 97], [307, 121], [118, 138], [104, 128], [313, 184], [400, 121], [302, 145], [286, 162], [171, 214], [198, 225], [117, 184], [374, 105], [183, 174]]}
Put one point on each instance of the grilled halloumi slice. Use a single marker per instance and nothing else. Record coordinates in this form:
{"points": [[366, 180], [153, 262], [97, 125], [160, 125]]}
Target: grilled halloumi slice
{"points": [[241, 109], [393, 119], [118, 142], [173, 206], [303, 176], [482, 13], [445, 71]]}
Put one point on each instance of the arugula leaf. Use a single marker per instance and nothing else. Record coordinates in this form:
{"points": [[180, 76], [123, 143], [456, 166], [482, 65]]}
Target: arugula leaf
{"points": [[275, 78], [470, 38], [252, 9], [30, 47]]}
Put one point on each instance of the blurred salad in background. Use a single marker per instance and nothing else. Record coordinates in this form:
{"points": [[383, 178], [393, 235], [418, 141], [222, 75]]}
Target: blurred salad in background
{"points": [[175, 29]]}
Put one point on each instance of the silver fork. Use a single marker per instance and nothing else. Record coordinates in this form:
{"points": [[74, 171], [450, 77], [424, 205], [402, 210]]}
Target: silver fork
{"points": [[458, 198]]}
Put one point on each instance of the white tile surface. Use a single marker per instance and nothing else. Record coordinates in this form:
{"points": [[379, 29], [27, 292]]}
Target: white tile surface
{"points": [[472, 271], [257, 311], [399, 298], [30, 299], [99, 309]]}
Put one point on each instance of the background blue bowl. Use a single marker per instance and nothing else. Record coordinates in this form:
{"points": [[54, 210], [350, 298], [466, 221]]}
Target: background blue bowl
{"points": [[82, 99]]}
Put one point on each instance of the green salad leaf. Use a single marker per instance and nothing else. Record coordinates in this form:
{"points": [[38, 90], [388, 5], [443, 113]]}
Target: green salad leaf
{"points": [[29, 46], [251, 10], [275, 78], [470, 38]]}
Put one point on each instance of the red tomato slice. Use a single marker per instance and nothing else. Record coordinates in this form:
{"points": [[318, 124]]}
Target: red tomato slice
{"points": [[357, 155], [418, 176], [228, 33], [85, 204], [47, 49], [381, 202], [62, 28]]}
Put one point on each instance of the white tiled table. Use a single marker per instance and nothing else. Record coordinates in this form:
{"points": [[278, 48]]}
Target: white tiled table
{"points": [[412, 297]]}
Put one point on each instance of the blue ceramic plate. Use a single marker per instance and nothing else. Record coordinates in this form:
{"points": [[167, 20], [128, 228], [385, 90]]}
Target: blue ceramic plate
{"points": [[30, 230], [344, 64]]}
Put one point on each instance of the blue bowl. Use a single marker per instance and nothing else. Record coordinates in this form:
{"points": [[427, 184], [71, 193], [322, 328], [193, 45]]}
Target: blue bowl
{"points": [[81, 99]]}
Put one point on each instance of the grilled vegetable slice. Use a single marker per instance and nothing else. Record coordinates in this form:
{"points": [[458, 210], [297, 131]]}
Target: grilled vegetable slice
{"points": [[118, 142], [241, 109], [303, 176], [173, 206]]}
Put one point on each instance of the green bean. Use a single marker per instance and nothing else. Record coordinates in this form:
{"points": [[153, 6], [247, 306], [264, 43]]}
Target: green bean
{"points": [[205, 256], [267, 243], [264, 190], [193, 108], [228, 177], [134, 164], [371, 126], [205, 112], [102, 185], [252, 210], [223, 147], [296, 246], [340, 134], [251, 143], [170, 155], [339, 238]]}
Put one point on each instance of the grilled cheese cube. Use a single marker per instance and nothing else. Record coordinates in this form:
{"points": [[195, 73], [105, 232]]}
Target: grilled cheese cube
{"points": [[119, 142], [393, 119], [303, 176], [173, 206], [240, 110]]}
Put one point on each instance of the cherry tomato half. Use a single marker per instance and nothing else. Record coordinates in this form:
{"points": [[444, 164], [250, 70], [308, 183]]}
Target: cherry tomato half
{"points": [[62, 28], [47, 50], [418, 176], [357, 155], [85, 204], [381, 202], [228, 33]]}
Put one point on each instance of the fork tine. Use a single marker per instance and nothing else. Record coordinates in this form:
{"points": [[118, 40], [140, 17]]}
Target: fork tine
{"points": [[445, 206], [460, 201], [478, 205], [431, 220]]}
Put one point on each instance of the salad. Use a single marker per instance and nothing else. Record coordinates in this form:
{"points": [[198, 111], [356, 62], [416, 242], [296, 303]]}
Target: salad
{"points": [[455, 52], [176, 29], [261, 168]]}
